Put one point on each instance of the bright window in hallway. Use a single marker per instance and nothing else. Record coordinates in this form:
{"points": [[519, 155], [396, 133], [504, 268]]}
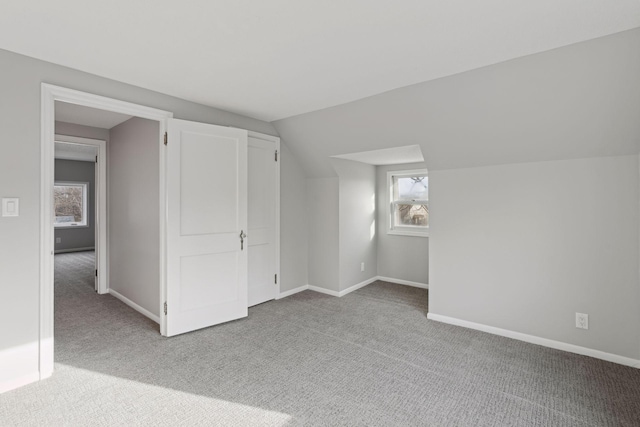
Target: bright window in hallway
{"points": [[70, 204]]}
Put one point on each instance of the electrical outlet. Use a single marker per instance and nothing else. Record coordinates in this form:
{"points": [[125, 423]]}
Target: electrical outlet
{"points": [[582, 321], [58, 239], [362, 266]]}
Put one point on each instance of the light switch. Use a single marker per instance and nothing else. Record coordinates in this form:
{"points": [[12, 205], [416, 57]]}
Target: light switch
{"points": [[10, 206]]}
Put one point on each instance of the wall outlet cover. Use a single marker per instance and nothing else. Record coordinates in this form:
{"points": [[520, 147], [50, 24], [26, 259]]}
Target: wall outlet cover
{"points": [[10, 206], [582, 321]]}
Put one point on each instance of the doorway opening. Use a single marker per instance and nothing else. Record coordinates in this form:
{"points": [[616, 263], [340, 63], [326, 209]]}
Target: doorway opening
{"points": [[79, 202], [60, 108]]}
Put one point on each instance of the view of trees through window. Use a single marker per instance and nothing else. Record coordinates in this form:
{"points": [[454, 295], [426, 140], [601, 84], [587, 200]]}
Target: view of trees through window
{"points": [[410, 204], [69, 204]]}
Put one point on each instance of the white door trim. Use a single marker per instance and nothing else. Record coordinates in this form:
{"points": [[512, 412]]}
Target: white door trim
{"points": [[276, 141], [49, 95], [101, 219]]}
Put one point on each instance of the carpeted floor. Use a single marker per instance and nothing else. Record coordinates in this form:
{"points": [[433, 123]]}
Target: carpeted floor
{"points": [[370, 358]]}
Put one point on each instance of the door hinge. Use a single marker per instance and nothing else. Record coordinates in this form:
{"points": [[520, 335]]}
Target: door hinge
{"points": [[96, 159], [96, 273], [166, 138], [165, 308], [276, 155], [275, 279]]}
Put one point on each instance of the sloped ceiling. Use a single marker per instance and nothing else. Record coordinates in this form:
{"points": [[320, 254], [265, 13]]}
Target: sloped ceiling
{"points": [[577, 101], [275, 59]]}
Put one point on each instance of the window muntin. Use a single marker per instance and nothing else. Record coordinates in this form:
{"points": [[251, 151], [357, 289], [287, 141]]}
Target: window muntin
{"points": [[70, 200], [409, 203]]}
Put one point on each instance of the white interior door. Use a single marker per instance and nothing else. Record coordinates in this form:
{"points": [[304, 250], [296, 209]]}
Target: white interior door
{"points": [[206, 213], [263, 219]]}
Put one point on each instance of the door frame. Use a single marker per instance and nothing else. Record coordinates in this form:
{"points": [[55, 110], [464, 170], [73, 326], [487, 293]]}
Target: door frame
{"points": [[276, 142], [101, 218], [49, 95]]}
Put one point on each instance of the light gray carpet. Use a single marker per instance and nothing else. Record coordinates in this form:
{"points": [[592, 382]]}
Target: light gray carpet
{"points": [[370, 358]]}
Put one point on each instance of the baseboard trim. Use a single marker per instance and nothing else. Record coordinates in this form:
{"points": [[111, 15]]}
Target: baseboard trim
{"points": [[66, 251], [404, 282], [363, 284], [135, 306], [324, 291], [558, 345], [292, 291], [19, 382], [357, 286]]}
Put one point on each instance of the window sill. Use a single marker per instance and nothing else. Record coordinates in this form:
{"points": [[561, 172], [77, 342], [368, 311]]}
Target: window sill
{"points": [[411, 233]]}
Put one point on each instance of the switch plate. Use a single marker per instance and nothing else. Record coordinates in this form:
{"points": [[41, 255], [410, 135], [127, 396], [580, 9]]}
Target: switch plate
{"points": [[10, 206], [362, 266]]}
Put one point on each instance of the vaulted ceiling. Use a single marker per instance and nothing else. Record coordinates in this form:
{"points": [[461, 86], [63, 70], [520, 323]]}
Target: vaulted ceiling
{"points": [[581, 100], [275, 59]]}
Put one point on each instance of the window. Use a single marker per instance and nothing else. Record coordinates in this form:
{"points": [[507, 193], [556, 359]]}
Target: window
{"points": [[409, 203], [70, 204]]}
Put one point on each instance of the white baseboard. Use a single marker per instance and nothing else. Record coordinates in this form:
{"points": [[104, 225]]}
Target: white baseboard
{"points": [[558, 345], [345, 291], [135, 306], [19, 365], [65, 251], [357, 286], [19, 382], [292, 291], [324, 291], [404, 282], [363, 284]]}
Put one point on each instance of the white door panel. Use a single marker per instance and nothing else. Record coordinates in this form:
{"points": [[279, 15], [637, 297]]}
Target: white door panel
{"points": [[206, 212], [263, 200]]}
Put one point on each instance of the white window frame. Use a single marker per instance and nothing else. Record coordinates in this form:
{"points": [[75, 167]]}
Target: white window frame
{"points": [[405, 230], [85, 205]]}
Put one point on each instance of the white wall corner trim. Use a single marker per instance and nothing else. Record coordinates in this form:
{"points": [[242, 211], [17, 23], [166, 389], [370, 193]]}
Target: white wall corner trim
{"points": [[135, 306], [558, 345], [404, 282], [292, 291]]}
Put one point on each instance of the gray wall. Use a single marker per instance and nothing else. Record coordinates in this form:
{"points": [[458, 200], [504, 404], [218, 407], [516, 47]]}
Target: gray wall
{"points": [[71, 129], [357, 221], [134, 215], [20, 177], [524, 247], [294, 245], [323, 224], [77, 237], [399, 257]]}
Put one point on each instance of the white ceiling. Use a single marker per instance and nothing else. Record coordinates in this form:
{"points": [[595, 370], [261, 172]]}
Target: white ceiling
{"points": [[276, 59], [387, 156], [81, 115]]}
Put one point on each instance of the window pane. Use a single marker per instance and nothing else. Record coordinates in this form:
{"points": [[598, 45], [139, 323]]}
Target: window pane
{"points": [[413, 188], [68, 203], [416, 215]]}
